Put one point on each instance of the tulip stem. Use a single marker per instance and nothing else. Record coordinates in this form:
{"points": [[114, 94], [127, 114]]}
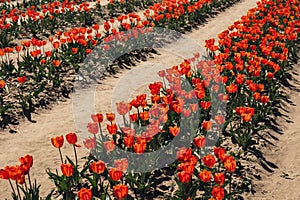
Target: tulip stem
{"points": [[12, 187], [230, 178], [61, 158], [76, 160], [26, 186], [18, 190], [101, 133], [29, 179]]}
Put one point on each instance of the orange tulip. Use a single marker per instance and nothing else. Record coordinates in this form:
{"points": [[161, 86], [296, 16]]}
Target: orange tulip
{"points": [[174, 130], [218, 193], [26, 160], [120, 191], [209, 160], [206, 125], [205, 105], [184, 154], [220, 153], [2, 84], [184, 177], [230, 164], [112, 129], [205, 176], [133, 117], [85, 194], [67, 169], [144, 116], [219, 178], [97, 166], [199, 141], [115, 174], [56, 44], [139, 148], [128, 141], [57, 141], [56, 63], [110, 117]]}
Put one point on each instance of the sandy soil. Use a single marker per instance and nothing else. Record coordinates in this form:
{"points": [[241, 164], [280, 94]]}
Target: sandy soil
{"points": [[34, 138], [280, 177]]}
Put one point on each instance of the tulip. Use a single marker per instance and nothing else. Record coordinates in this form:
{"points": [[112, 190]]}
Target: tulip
{"points": [[139, 148], [174, 130], [219, 178], [121, 164], [199, 141], [67, 169], [120, 191], [98, 117], [85, 194], [21, 79], [110, 117], [209, 161], [93, 127], [2, 84], [58, 142], [230, 164], [109, 145], [184, 177], [218, 193], [90, 143], [97, 166], [205, 176], [128, 141], [184, 154], [115, 174], [72, 139]]}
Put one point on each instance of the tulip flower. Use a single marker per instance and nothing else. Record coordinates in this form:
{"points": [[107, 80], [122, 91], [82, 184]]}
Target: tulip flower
{"points": [[58, 142], [72, 139], [85, 194], [120, 191], [98, 167], [67, 169]]}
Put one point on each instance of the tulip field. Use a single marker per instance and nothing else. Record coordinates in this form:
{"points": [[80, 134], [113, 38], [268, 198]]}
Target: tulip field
{"points": [[200, 132]]}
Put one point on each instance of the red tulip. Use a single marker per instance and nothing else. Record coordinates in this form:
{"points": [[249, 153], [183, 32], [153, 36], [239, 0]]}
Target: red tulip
{"points": [[71, 138]]}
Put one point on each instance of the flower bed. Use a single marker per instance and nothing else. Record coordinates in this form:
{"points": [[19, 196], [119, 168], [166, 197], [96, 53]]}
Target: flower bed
{"points": [[251, 59], [46, 68]]}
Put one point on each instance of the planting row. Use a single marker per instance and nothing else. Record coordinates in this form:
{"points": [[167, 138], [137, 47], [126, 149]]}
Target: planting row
{"points": [[46, 19]]}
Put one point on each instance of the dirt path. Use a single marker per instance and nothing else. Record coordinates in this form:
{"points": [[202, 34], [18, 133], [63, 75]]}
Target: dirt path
{"points": [[34, 138], [281, 180]]}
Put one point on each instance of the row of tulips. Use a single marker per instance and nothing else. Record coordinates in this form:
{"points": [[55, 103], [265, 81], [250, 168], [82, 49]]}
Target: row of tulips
{"points": [[55, 15], [46, 69], [254, 56]]}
